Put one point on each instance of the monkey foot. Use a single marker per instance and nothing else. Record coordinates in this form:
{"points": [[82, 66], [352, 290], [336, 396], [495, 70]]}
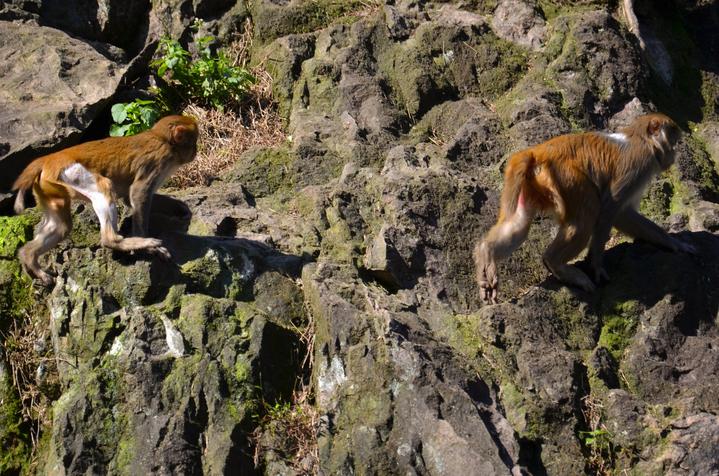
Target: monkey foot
{"points": [[488, 293], [162, 252], [601, 276], [47, 279], [685, 247]]}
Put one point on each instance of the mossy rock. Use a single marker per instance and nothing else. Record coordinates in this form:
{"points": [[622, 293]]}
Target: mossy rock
{"points": [[283, 59], [264, 171], [299, 16], [15, 232], [14, 432], [443, 62]]}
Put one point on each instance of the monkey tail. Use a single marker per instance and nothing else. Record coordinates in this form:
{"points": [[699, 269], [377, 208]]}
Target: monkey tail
{"points": [[518, 171], [25, 182]]}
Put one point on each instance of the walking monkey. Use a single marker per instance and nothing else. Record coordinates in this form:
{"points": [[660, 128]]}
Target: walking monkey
{"points": [[590, 182], [101, 172]]}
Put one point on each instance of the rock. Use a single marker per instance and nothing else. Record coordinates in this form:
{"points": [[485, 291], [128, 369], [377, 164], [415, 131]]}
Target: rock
{"points": [[54, 86], [625, 418], [691, 446], [386, 404], [704, 216], [582, 69], [354, 240], [631, 111], [605, 367], [158, 381], [119, 23], [521, 22]]}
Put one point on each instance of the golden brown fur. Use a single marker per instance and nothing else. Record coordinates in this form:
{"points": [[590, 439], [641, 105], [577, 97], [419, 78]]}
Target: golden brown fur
{"points": [[131, 168], [589, 182]]}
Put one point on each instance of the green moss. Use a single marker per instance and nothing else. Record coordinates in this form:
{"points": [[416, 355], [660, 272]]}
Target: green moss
{"points": [[515, 408], [199, 228], [555, 8], [16, 292], [439, 62], [219, 273], [618, 327], [510, 63], [681, 196], [705, 169], [265, 171], [710, 95], [657, 201], [338, 245], [15, 232], [302, 17], [184, 370], [580, 325], [16, 301], [317, 89], [125, 456]]}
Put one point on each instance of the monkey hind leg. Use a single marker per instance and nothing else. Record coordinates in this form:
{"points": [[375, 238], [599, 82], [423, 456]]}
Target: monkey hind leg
{"points": [[151, 245], [98, 190], [569, 242], [55, 226]]}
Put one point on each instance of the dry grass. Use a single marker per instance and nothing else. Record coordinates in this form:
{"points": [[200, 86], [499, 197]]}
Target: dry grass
{"points": [[225, 135], [289, 430], [33, 372], [597, 440]]}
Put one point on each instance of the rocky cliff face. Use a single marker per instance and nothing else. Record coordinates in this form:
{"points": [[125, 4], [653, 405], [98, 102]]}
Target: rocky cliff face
{"points": [[352, 241]]}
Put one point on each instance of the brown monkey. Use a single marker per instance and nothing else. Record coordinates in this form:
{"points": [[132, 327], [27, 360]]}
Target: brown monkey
{"points": [[101, 171], [589, 182]]}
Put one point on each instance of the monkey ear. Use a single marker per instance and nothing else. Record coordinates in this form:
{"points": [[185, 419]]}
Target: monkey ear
{"points": [[181, 135], [654, 127]]}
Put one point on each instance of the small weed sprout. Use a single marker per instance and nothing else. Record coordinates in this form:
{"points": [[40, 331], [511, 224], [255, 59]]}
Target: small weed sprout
{"points": [[597, 439]]}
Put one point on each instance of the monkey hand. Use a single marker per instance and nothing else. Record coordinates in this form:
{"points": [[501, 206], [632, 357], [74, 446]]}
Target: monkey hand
{"points": [[488, 284]]}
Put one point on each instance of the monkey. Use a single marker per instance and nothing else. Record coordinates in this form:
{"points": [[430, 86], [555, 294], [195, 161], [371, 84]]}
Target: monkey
{"points": [[101, 172], [589, 182]]}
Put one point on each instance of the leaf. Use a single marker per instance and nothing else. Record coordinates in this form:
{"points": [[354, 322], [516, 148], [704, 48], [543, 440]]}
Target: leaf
{"points": [[115, 130], [120, 130], [149, 116], [118, 113]]}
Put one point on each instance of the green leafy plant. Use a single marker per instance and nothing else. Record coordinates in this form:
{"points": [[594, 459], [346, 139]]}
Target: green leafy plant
{"points": [[210, 79], [601, 450], [137, 116]]}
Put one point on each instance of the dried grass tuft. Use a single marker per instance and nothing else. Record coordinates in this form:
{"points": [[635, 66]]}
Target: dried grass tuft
{"points": [[290, 430], [225, 135], [33, 373]]}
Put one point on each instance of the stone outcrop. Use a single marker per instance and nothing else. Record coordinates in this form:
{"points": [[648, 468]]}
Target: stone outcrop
{"points": [[352, 242]]}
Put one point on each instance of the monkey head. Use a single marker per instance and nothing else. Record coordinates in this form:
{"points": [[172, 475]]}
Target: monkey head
{"points": [[662, 134], [182, 133]]}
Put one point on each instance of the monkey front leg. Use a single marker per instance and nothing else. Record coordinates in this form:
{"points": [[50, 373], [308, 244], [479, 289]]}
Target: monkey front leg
{"points": [[600, 236], [141, 192], [636, 225], [109, 237]]}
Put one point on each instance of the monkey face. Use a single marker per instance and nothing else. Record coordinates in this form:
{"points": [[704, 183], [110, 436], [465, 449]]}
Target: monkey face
{"points": [[664, 134]]}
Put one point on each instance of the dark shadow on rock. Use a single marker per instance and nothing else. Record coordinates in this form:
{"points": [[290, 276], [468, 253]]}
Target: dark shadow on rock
{"points": [[237, 258], [642, 272]]}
